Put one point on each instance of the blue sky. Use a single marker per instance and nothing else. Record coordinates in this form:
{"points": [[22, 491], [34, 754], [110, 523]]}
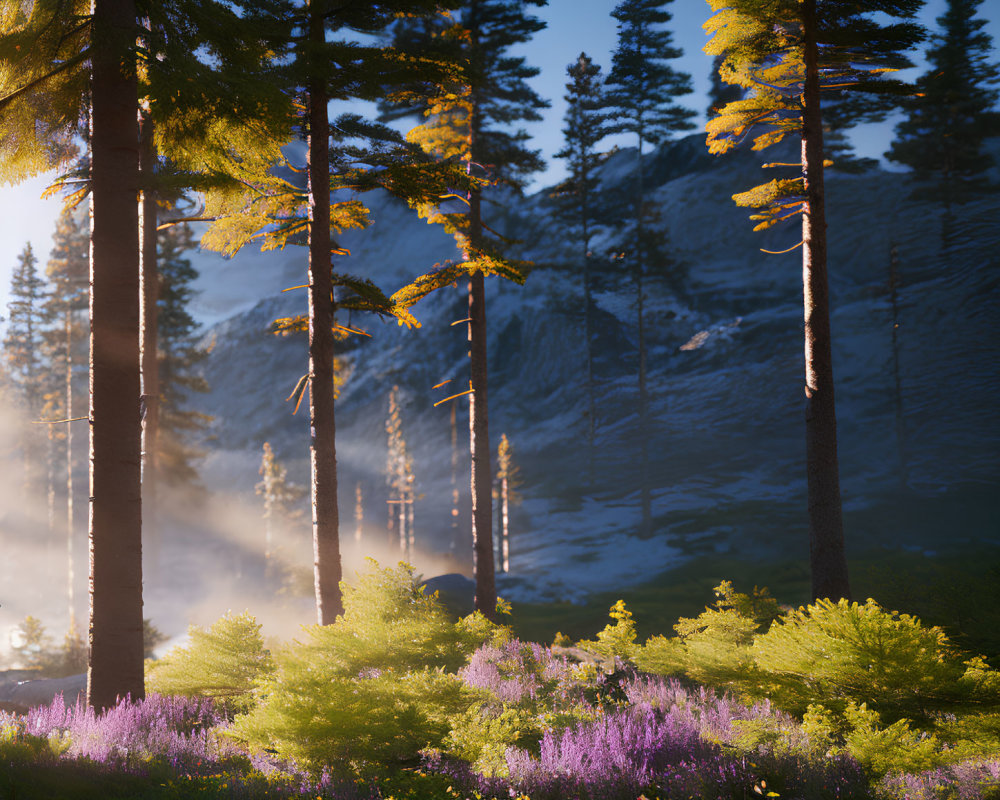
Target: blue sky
{"points": [[573, 26]]}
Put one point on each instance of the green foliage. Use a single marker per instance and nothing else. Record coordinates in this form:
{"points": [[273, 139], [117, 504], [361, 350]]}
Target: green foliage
{"points": [[878, 748], [179, 358], [838, 653], [152, 637], [641, 85], [23, 341], [33, 648], [954, 108], [373, 689], [715, 647], [224, 662], [482, 733], [617, 640], [760, 47]]}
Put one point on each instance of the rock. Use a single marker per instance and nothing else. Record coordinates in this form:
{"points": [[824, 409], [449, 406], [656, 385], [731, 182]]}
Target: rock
{"points": [[456, 592], [19, 697]]}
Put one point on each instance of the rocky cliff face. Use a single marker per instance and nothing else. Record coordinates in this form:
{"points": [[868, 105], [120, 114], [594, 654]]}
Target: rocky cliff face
{"points": [[915, 349]]}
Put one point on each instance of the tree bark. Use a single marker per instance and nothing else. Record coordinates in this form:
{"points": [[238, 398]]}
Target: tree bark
{"points": [[646, 524], [454, 477], [588, 330], [148, 356], [116, 648], [826, 527], [505, 524], [323, 453], [894, 284], [479, 439], [70, 572], [481, 473]]}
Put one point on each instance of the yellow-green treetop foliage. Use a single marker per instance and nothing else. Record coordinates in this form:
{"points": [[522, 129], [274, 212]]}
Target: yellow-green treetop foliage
{"points": [[467, 123], [760, 43], [43, 78], [203, 72], [272, 207]]}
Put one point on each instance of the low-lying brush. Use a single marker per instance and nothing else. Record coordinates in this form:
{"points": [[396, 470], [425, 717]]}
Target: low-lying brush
{"points": [[398, 700]]}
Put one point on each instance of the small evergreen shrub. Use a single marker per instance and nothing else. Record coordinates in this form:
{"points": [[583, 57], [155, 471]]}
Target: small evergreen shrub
{"points": [[615, 641], [367, 693], [224, 662], [836, 654], [713, 648]]}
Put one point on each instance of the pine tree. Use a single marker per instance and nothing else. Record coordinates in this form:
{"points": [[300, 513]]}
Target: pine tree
{"points": [[364, 156], [68, 271], [783, 53], [24, 355], [400, 480], [469, 121], [508, 479], [955, 107], [55, 59], [585, 125], [179, 357], [642, 88], [280, 496]]}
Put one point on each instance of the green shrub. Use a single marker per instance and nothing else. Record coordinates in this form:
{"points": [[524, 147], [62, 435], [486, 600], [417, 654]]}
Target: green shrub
{"points": [[224, 663], [838, 653], [714, 648], [482, 734], [878, 748], [370, 691], [616, 640]]}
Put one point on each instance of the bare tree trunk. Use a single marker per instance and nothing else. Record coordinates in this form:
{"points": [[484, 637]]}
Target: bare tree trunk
{"points": [[148, 356], [588, 334], [826, 527], [646, 524], [479, 437], [50, 482], [894, 283], [70, 572], [403, 538], [411, 539], [323, 453], [504, 524], [116, 647], [454, 476], [359, 514]]}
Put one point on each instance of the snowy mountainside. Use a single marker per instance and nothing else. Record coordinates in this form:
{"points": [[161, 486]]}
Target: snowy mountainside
{"points": [[723, 322]]}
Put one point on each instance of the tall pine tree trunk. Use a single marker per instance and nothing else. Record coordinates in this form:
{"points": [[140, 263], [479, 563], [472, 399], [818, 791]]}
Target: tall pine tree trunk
{"points": [[323, 454], [116, 647], [646, 528], [894, 284], [505, 524], [826, 527], [479, 438], [454, 477], [588, 333], [70, 571], [148, 322], [481, 478]]}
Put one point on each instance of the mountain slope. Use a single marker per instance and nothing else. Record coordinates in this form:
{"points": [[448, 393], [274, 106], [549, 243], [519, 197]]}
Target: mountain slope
{"points": [[918, 467]]}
